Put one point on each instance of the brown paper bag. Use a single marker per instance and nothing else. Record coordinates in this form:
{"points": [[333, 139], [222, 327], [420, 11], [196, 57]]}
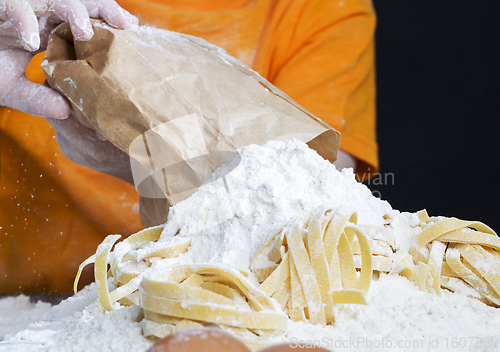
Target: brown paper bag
{"points": [[178, 105]]}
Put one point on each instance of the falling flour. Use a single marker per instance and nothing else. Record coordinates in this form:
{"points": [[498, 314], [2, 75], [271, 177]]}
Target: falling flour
{"points": [[227, 219]]}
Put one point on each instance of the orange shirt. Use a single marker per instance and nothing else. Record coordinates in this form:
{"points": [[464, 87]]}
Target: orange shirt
{"points": [[54, 213]]}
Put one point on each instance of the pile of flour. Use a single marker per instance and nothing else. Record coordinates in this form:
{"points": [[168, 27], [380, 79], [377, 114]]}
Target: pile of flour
{"points": [[256, 194], [227, 219]]}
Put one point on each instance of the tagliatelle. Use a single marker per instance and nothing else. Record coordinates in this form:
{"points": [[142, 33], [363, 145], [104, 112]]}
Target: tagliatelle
{"points": [[185, 296], [447, 225], [435, 264], [100, 270], [316, 267], [453, 258], [164, 293], [127, 283], [310, 268], [304, 270], [405, 267], [379, 262], [485, 261], [452, 248], [142, 237]]}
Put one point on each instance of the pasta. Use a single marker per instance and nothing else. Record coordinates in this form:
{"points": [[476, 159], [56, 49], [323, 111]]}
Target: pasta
{"points": [[209, 295], [329, 244], [449, 249], [300, 273], [127, 282], [184, 296], [324, 246]]}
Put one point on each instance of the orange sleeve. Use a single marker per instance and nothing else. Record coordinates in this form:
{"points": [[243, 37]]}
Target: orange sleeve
{"points": [[321, 53]]}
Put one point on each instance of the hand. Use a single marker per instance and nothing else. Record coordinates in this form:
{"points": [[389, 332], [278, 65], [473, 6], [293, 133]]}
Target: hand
{"points": [[25, 30], [89, 148]]}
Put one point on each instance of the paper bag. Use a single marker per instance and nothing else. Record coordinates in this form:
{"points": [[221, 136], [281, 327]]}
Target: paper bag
{"points": [[178, 105]]}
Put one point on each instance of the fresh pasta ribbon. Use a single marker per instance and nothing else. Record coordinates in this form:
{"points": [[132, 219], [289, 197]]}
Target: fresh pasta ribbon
{"points": [[435, 265], [100, 271], [88, 261], [448, 225], [450, 249], [381, 241], [316, 267], [185, 296]]}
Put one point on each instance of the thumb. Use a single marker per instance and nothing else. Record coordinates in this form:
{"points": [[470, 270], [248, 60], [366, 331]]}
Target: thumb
{"points": [[36, 99]]}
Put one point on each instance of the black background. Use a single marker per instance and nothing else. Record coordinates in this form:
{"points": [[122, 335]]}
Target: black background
{"points": [[437, 105]]}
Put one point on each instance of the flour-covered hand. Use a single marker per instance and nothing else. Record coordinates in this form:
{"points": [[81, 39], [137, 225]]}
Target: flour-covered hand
{"points": [[25, 26], [88, 148]]}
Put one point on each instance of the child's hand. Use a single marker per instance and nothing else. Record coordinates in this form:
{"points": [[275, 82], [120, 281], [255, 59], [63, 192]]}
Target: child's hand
{"points": [[25, 26]]}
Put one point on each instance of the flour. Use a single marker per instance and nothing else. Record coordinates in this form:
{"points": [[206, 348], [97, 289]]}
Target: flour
{"points": [[399, 317], [229, 218], [16, 313], [245, 203]]}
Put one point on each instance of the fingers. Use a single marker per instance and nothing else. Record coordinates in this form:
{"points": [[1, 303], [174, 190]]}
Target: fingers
{"points": [[9, 38], [46, 26], [24, 19], [16, 91], [111, 12], [12, 66], [74, 12], [78, 14]]}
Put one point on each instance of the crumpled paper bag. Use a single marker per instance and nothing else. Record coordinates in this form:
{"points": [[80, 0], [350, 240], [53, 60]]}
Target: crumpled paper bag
{"points": [[178, 105]]}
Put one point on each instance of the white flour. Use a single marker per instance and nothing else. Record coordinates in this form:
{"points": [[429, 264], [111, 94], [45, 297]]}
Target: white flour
{"points": [[226, 221], [16, 313], [267, 188]]}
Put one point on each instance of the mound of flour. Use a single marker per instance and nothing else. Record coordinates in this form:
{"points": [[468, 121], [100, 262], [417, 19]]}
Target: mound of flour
{"points": [[258, 193], [228, 218]]}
